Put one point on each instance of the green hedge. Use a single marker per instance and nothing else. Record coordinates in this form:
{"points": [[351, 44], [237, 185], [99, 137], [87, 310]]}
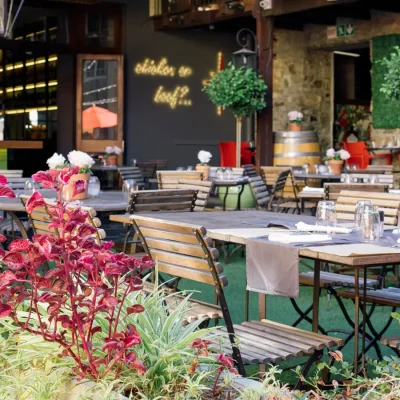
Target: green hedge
{"points": [[386, 112]]}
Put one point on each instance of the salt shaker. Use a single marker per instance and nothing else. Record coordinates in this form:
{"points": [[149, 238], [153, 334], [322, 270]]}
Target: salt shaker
{"points": [[382, 221]]}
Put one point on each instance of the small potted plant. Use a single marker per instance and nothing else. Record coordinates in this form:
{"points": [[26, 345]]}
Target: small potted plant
{"points": [[296, 119], [112, 153], [336, 159], [83, 162], [204, 158]]}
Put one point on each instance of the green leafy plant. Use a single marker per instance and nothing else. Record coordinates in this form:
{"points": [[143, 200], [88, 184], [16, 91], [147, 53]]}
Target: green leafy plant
{"points": [[238, 89], [391, 81]]}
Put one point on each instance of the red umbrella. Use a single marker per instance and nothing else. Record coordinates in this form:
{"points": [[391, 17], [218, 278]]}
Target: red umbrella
{"points": [[98, 117]]}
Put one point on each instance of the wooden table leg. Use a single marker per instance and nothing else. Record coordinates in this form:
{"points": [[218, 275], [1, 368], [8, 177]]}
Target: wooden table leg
{"points": [[317, 277], [356, 317], [262, 306]]}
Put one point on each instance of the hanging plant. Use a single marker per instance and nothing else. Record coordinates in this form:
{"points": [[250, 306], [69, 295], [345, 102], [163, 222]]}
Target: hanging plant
{"points": [[238, 89]]}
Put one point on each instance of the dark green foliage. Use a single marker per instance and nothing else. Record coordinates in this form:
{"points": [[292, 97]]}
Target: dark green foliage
{"points": [[386, 82], [238, 89]]}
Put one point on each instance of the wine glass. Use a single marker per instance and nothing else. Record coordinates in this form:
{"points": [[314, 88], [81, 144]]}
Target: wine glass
{"points": [[31, 186], [190, 168], [128, 187], [326, 214], [370, 225], [357, 215], [228, 174], [306, 168], [220, 173], [180, 168], [94, 187]]}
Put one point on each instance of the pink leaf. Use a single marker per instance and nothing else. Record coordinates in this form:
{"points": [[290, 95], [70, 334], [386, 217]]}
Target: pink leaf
{"points": [[5, 310], [79, 187], [65, 176], [86, 230], [132, 340], [45, 178], [20, 245], [110, 301], [3, 238], [112, 269], [139, 366], [136, 309], [36, 200], [14, 261], [5, 191], [3, 180], [6, 279], [110, 344]]}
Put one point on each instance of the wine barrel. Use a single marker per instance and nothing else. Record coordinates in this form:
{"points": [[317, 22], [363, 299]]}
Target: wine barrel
{"points": [[293, 149]]}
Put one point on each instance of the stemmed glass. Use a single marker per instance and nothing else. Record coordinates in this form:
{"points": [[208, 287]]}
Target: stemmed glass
{"points": [[180, 168], [128, 187], [220, 173], [228, 174], [31, 186], [326, 214]]}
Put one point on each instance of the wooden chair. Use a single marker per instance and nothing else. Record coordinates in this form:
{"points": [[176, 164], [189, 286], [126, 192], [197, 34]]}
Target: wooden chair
{"points": [[12, 173], [170, 179], [131, 173], [393, 342], [185, 251], [40, 219], [249, 170], [387, 178], [387, 168], [289, 196], [203, 189], [387, 202], [148, 170], [144, 201], [260, 192], [389, 297], [332, 190], [161, 164]]}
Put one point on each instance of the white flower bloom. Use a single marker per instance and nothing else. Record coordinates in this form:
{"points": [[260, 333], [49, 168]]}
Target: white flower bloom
{"points": [[344, 155], [109, 149], [295, 116], [80, 159], [117, 150], [57, 160], [330, 153], [204, 156]]}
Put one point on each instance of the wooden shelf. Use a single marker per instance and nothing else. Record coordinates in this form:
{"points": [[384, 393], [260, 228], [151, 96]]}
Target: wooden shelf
{"points": [[21, 144]]}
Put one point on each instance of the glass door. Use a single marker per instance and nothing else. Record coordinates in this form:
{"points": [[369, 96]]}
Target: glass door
{"points": [[99, 117]]}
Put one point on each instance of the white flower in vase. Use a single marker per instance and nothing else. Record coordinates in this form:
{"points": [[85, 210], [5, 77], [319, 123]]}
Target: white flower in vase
{"points": [[204, 157], [56, 161]]}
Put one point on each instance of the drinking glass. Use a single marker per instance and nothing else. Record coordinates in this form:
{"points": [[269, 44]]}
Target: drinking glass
{"points": [[180, 168], [31, 186], [220, 173], [94, 187], [190, 168], [370, 226], [373, 179], [306, 168], [128, 187], [316, 168], [228, 174], [347, 178], [357, 215], [326, 214], [134, 162]]}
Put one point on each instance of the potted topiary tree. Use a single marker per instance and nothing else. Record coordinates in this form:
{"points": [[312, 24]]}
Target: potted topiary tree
{"points": [[240, 90]]}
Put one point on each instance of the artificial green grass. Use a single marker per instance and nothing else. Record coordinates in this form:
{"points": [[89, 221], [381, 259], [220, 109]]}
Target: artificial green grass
{"points": [[280, 309], [385, 113]]}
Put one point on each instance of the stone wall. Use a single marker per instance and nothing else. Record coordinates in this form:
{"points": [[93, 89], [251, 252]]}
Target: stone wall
{"points": [[381, 23], [302, 82]]}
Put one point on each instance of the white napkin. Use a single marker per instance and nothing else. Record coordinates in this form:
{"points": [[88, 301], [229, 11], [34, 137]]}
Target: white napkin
{"points": [[291, 238], [302, 226], [394, 191], [313, 189]]}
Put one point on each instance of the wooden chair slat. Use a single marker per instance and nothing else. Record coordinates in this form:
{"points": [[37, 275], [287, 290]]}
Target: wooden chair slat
{"points": [[168, 235], [185, 205], [184, 261]]}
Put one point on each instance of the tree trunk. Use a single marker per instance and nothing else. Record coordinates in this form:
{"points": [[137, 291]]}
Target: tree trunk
{"points": [[238, 140]]}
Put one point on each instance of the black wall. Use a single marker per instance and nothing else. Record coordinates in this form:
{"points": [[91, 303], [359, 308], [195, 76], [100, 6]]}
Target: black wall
{"points": [[155, 130]]}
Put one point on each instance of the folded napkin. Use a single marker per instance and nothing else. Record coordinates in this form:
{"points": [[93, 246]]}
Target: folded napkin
{"points": [[296, 238], [301, 226], [313, 189], [394, 191]]}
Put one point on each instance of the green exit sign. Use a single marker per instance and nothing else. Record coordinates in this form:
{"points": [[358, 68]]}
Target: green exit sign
{"points": [[345, 30]]}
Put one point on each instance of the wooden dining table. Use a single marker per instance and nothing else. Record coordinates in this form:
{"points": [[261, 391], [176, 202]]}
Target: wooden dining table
{"points": [[110, 201], [240, 226]]}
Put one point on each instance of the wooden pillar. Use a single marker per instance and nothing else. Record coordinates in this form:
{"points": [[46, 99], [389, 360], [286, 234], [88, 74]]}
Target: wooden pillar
{"points": [[264, 136]]}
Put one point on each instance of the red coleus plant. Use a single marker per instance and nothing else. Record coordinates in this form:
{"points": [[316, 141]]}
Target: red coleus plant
{"points": [[88, 280]]}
